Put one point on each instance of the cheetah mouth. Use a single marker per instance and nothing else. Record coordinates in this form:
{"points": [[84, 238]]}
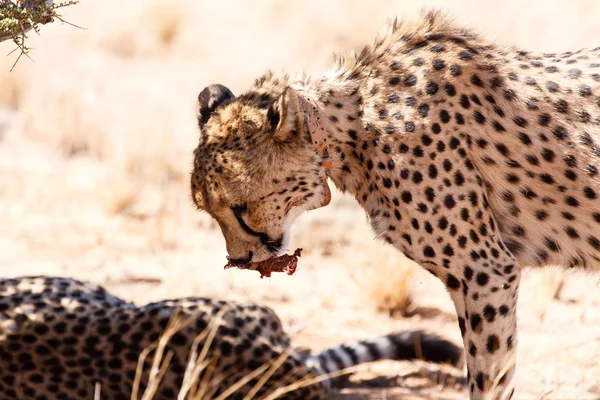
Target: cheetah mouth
{"points": [[285, 263]]}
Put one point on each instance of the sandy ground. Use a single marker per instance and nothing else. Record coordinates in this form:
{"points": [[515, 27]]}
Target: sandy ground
{"points": [[96, 137]]}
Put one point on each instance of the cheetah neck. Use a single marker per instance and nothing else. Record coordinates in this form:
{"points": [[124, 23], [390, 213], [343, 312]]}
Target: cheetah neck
{"points": [[338, 106]]}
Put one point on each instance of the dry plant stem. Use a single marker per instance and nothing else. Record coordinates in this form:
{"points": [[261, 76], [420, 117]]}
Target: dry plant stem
{"points": [[239, 384], [263, 380], [196, 364], [173, 326], [281, 383], [216, 323], [139, 371], [504, 368], [210, 394], [157, 375], [97, 391], [207, 378], [309, 381], [215, 384], [193, 367]]}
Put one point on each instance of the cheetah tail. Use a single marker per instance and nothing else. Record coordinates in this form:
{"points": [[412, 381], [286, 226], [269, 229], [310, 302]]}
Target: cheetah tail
{"points": [[409, 345]]}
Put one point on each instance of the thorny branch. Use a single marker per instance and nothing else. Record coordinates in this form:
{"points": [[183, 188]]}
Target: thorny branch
{"points": [[17, 17]]}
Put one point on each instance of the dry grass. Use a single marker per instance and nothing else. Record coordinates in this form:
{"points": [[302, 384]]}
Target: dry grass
{"points": [[200, 364], [96, 136], [551, 282], [385, 277], [213, 377]]}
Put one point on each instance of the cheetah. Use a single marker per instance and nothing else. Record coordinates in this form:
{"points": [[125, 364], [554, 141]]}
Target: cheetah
{"points": [[473, 159], [59, 337]]}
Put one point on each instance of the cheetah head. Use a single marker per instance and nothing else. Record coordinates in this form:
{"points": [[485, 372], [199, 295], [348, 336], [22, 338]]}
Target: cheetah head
{"points": [[255, 169]]}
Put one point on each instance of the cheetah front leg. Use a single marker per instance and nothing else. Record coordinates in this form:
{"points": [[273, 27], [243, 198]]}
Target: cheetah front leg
{"points": [[482, 277], [486, 308]]}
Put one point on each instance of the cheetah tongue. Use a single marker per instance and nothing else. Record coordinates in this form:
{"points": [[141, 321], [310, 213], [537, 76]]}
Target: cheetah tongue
{"points": [[284, 263]]}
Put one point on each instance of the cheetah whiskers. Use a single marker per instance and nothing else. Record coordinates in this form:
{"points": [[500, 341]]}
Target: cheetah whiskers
{"points": [[380, 235]]}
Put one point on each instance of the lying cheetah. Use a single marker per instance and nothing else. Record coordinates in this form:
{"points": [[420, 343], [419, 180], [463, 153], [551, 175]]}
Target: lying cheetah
{"points": [[472, 159], [59, 337]]}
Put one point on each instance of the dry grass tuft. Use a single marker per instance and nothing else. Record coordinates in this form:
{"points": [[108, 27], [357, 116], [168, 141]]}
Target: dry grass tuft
{"points": [[163, 19], [161, 361], [11, 88], [550, 284], [386, 278], [193, 388]]}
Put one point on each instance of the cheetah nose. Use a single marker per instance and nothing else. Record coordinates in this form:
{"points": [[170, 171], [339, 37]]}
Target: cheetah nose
{"points": [[242, 260]]}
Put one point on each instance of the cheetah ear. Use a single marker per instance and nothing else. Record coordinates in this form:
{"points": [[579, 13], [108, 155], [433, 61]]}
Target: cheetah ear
{"points": [[209, 99], [282, 116]]}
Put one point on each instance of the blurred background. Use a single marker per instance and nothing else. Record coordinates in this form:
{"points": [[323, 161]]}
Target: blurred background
{"points": [[96, 138]]}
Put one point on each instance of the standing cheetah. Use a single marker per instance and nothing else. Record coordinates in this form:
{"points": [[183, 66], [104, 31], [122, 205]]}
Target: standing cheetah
{"points": [[59, 337], [472, 159]]}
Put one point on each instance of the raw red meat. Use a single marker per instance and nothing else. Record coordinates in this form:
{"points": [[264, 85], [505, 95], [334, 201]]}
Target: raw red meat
{"points": [[284, 263]]}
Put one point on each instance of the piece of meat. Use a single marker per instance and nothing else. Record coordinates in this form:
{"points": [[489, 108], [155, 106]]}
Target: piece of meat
{"points": [[284, 263]]}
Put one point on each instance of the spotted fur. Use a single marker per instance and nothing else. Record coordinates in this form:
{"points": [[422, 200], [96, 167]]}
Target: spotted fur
{"points": [[473, 159], [59, 337]]}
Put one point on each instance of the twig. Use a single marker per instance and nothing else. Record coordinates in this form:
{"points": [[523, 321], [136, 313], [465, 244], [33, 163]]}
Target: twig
{"points": [[17, 17]]}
